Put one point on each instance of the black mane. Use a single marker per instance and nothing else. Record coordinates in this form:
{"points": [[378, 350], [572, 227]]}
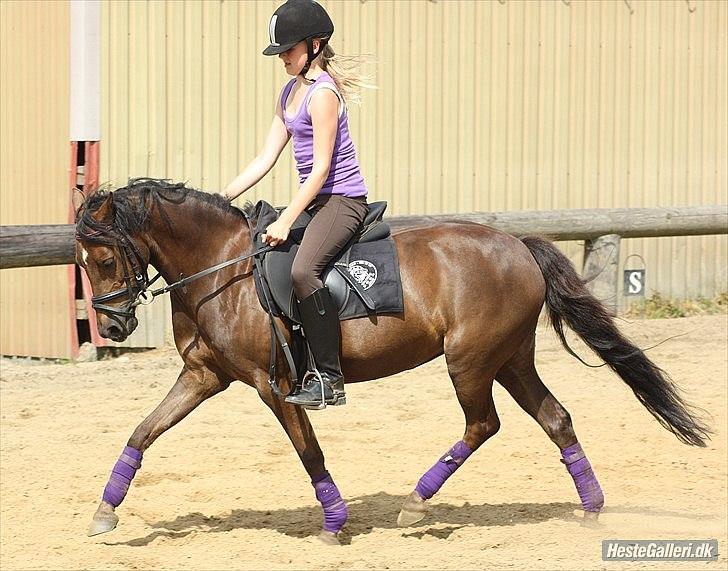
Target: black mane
{"points": [[133, 204]]}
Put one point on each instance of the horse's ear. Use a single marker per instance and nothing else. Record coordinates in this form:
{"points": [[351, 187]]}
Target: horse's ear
{"points": [[105, 212], [78, 200]]}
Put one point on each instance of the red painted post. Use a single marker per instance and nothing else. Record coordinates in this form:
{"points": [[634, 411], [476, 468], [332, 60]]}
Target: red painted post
{"points": [[89, 185], [85, 132], [72, 267]]}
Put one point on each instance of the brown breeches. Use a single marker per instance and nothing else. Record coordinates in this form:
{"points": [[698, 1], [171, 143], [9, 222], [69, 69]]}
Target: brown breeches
{"points": [[335, 220]]}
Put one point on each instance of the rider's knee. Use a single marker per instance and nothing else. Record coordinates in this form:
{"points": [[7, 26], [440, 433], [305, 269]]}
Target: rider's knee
{"points": [[304, 280]]}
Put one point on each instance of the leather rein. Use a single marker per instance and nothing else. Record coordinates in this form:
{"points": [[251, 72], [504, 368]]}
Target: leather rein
{"points": [[138, 293], [137, 285]]}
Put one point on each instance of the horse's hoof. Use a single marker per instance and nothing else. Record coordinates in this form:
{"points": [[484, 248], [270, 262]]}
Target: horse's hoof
{"points": [[591, 519], [413, 510], [102, 522], [329, 538]]}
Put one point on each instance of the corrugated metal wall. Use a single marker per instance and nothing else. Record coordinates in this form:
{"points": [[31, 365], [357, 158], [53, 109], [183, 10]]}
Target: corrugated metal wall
{"points": [[35, 306], [481, 106]]}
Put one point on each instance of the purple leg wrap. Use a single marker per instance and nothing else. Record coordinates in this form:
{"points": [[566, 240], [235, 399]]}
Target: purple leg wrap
{"points": [[122, 475], [335, 512], [435, 477], [592, 498]]}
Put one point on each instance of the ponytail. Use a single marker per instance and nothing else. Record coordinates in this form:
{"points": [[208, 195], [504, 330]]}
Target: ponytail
{"points": [[345, 71]]}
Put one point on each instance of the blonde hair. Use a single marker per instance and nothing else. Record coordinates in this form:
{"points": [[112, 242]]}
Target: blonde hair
{"points": [[346, 73]]}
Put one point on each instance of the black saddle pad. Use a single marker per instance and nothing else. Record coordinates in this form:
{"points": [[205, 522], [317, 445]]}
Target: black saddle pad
{"points": [[372, 266]]}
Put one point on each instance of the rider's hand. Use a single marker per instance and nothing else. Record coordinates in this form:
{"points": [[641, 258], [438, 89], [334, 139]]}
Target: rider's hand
{"points": [[276, 233]]}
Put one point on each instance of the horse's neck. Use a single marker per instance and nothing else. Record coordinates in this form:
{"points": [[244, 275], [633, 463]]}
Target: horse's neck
{"points": [[193, 238]]}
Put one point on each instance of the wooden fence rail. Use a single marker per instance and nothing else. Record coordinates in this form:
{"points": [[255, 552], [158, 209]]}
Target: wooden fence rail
{"points": [[38, 245], [44, 245], [588, 224], [602, 229]]}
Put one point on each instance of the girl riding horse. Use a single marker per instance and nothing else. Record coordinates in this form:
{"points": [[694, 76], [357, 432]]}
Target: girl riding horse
{"points": [[312, 110]]}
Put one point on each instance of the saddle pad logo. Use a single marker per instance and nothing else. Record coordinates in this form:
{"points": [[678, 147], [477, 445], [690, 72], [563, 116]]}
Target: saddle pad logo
{"points": [[363, 272]]}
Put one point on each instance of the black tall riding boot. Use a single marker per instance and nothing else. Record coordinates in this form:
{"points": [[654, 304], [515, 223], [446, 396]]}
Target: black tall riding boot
{"points": [[320, 321]]}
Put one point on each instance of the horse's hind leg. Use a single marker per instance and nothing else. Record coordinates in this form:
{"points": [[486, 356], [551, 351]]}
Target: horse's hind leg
{"points": [[473, 386], [520, 378], [191, 388]]}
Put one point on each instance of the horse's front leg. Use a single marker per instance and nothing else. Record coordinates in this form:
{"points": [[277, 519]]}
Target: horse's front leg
{"points": [[298, 428], [191, 388]]}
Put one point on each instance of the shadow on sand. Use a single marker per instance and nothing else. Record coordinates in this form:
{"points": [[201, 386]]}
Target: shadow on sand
{"points": [[380, 511], [365, 513]]}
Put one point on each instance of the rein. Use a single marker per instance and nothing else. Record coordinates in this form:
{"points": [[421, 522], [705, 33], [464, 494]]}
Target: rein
{"points": [[201, 274], [138, 291]]}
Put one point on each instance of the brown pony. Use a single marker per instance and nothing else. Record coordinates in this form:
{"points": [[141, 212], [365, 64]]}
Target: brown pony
{"points": [[471, 293]]}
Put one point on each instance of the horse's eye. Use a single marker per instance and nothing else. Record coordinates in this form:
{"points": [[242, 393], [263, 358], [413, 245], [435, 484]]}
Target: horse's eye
{"points": [[108, 263]]}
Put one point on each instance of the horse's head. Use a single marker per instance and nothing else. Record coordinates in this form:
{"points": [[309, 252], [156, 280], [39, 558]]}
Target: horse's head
{"points": [[115, 262]]}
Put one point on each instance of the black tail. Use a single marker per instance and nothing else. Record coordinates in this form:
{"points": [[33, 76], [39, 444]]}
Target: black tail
{"points": [[568, 300]]}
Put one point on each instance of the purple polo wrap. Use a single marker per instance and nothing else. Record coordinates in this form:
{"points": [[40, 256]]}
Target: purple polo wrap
{"points": [[435, 477], [590, 493], [335, 512], [122, 475]]}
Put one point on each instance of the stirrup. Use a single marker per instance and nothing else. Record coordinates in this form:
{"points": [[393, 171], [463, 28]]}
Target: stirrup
{"points": [[314, 376], [320, 380]]}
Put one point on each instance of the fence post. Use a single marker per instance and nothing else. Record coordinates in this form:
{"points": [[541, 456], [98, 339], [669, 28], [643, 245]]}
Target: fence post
{"points": [[601, 265]]}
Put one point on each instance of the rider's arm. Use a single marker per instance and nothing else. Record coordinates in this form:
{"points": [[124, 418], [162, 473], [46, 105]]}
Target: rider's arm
{"points": [[277, 139], [324, 109]]}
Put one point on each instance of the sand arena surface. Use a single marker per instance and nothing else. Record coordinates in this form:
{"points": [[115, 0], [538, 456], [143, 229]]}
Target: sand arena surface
{"points": [[225, 490]]}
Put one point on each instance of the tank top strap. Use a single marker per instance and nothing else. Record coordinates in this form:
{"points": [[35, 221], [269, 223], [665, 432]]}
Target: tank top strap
{"points": [[325, 81], [284, 94]]}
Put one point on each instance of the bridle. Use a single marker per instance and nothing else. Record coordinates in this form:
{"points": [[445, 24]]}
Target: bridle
{"points": [[138, 293], [138, 283]]}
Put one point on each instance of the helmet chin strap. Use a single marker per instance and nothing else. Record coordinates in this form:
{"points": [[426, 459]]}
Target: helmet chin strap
{"points": [[311, 56]]}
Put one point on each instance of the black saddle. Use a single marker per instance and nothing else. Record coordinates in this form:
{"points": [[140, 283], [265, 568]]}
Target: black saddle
{"points": [[363, 279]]}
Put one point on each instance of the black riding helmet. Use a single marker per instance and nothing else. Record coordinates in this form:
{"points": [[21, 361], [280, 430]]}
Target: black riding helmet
{"points": [[295, 21]]}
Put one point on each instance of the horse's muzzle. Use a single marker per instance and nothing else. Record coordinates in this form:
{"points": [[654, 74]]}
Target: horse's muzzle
{"points": [[118, 329]]}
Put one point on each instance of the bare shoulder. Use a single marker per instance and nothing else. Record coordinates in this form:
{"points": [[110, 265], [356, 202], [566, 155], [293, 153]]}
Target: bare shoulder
{"points": [[324, 98]]}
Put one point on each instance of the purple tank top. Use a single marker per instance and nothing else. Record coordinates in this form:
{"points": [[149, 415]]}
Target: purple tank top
{"points": [[344, 175]]}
